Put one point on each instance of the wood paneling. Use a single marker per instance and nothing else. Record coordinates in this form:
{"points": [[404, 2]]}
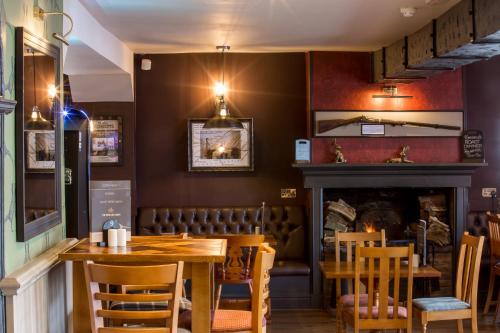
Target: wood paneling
{"points": [[270, 88]]}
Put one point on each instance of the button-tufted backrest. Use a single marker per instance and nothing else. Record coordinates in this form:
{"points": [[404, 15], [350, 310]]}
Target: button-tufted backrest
{"points": [[285, 223]]}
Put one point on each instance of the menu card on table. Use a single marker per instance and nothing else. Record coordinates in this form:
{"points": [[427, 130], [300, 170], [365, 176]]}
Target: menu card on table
{"points": [[109, 200]]}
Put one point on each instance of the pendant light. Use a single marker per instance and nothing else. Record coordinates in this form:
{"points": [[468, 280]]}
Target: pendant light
{"points": [[37, 121], [222, 118]]}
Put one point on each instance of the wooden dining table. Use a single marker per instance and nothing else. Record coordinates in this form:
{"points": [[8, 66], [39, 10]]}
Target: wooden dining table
{"points": [[345, 270], [198, 256]]}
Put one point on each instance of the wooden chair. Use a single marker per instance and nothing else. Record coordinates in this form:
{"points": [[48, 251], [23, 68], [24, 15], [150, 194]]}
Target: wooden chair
{"points": [[239, 262], [162, 315], [494, 230], [384, 266], [464, 304], [348, 239], [242, 321]]}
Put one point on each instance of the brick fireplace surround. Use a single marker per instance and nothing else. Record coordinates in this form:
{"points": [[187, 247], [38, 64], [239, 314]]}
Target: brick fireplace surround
{"points": [[320, 177]]}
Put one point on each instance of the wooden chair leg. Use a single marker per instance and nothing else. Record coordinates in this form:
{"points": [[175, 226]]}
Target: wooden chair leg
{"points": [[338, 317], [497, 311], [491, 286], [218, 296], [473, 321], [460, 326], [424, 328]]}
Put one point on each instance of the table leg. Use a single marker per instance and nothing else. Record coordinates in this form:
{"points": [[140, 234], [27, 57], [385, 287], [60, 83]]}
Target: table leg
{"points": [[201, 297], [81, 312]]}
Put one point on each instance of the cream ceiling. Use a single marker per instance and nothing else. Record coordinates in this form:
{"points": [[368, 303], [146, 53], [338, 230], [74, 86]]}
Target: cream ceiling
{"points": [[148, 26]]}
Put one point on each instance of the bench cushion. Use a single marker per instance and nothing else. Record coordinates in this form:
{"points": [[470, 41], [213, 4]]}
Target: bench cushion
{"points": [[290, 268]]}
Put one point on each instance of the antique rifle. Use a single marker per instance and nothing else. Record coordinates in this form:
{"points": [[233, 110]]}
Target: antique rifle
{"points": [[326, 125]]}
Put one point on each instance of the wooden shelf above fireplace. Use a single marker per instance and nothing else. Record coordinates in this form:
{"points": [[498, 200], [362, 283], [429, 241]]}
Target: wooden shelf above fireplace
{"points": [[388, 174]]}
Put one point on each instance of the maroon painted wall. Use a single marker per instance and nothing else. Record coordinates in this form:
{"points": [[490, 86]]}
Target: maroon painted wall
{"points": [[271, 88], [482, 88], [341, 81]]}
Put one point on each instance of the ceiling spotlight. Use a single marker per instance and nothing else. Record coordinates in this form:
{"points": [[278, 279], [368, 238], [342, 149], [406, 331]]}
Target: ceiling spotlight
{"points": [[408, 11], [41, 14]]}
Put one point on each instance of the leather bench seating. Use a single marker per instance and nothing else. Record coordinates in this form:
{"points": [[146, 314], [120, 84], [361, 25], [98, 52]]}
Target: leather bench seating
{"points": [[285, 223]]}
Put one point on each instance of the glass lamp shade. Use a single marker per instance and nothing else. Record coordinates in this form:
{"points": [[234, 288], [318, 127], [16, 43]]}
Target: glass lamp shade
{"points": [[37, 121], [222, 119]]}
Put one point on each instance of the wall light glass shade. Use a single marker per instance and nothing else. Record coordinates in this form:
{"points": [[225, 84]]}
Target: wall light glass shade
{"points": [[222, 118]]}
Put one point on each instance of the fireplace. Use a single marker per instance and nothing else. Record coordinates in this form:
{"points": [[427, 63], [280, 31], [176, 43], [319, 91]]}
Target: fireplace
{"points": [[382, 195]]}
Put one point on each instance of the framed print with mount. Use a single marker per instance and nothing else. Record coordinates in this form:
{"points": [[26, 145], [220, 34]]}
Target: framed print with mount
{"points": [[107, 141], [220, 149], [40, 151]]}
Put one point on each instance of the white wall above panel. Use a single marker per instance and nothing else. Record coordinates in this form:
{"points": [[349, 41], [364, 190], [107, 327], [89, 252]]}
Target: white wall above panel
{"points": [[101, 88], [100, 66]]}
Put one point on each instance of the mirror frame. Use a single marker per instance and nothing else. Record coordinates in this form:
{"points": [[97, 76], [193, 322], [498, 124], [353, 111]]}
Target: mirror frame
{"points": [[26, 231]]}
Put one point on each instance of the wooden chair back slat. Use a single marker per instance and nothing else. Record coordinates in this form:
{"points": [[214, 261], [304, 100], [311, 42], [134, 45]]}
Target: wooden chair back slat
{"points": [[494, 229], [128, 330], [264, 260], [469, 260], [349, 240], [384, 266], [239, 257], [168, 278]]}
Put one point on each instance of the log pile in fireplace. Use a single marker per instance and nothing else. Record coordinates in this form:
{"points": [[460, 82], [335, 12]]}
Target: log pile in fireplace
{"points": [[340, 217]]}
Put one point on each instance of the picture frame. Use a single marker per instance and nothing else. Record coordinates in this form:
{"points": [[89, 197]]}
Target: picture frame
{"points": [[40, 151], [106, 148], [220, 149]]}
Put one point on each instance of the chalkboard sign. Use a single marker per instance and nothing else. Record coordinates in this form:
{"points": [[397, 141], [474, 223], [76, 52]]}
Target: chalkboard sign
{"points": [[109, 200], [473, 149]]}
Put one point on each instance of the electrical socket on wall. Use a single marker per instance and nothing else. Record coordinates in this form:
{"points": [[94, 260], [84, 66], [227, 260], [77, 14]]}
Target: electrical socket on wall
{"points": [[288, 193], [487, 191]]}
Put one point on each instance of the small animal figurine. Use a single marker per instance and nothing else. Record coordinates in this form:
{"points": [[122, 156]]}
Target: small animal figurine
{"points": [[339, 157], [402, 156]]}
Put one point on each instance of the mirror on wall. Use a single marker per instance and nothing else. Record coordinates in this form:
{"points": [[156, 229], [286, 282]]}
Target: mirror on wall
{"points": [[38, 133]]}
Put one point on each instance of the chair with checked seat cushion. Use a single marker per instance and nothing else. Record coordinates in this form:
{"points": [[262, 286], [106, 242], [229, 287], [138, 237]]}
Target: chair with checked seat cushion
{"points": [[384, 267], [348, 239], [245, 321], [464, 304], [154, 317]]}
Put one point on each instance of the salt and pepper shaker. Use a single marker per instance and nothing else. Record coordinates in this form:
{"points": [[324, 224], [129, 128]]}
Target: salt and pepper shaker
{"points": [[112, 237], [122, 237]]}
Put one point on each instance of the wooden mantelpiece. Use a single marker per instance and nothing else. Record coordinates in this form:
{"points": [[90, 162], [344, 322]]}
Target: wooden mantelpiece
{"points": [[387, 174], [318, 177]]}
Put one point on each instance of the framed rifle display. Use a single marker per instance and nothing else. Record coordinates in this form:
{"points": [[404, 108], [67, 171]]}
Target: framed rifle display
{"points": [[388, 123]]}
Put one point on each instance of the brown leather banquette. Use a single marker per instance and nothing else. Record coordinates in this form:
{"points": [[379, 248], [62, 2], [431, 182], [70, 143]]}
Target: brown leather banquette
{"points": [[285, 223]]}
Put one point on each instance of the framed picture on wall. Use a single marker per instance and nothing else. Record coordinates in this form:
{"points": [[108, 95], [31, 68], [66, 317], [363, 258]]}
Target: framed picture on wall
{"points": [[220, 149], [40, 151], [106, 141]]}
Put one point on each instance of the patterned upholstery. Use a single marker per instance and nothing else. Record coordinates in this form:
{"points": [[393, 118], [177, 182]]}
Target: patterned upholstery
{"points": [[286, 223], [138, 306], [348, 300], [439, 304], [363, 312], [223, 320]]}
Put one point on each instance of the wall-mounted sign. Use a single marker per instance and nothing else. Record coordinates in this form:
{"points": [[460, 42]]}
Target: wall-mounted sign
{"points": [[372, 129], [302, 151], [472, 146], [107, 141], [109, 200]]}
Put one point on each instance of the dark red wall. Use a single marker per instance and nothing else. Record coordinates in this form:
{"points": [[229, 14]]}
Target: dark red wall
{"points": [[271, 88], [482, 91], [341, 81]]}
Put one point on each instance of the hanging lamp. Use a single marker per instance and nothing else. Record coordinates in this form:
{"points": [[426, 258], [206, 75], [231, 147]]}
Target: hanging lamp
{"points": [[36, 121], [222, 118]]}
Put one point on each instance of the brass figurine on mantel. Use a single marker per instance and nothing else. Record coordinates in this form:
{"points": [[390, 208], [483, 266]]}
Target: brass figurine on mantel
{"points": [[339, 157], [402, 156]]}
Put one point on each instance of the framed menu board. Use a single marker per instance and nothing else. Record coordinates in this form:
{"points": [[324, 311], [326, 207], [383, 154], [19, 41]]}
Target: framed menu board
{"points": [[472, 146]]}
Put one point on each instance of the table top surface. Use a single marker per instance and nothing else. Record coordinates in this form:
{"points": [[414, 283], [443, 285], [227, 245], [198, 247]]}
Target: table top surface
{"points": [[151, 249], [345, 270]]}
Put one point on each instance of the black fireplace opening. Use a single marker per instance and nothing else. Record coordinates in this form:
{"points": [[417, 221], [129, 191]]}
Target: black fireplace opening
{"points": [[397, 211]]}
